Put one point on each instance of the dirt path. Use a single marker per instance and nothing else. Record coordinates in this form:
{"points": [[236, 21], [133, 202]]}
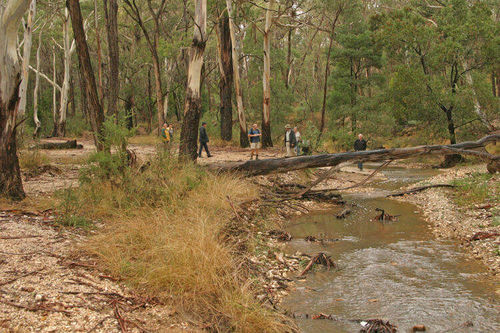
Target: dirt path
{"points": [[47, 286]]}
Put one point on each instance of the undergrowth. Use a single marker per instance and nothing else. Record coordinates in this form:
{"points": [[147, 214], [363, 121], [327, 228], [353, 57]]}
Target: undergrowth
{"points": [[479, 188], [166, 234]]}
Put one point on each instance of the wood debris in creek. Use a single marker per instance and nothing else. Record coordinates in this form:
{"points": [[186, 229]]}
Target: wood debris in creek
{"points": [[280, 235], [322, 259], [384, 217]]}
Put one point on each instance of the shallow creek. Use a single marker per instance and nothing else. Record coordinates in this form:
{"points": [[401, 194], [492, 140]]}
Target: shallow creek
{"points": [[395, 271]]}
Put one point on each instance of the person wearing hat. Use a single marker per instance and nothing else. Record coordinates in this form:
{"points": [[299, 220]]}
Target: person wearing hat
{"points": [[203, 139], [290, 141]]}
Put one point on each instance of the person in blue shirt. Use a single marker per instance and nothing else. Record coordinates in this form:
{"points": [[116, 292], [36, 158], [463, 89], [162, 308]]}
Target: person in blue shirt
{"points": [[254, 137]]}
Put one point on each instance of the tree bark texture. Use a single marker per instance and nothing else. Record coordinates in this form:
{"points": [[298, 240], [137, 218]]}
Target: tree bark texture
{"points": [[68, 49], [36, 120], [266, 81], [280, 165], [95, 111], [111, 13], [236, 76], [192, 104], [226, 78], [28, 34], [11, 184]]}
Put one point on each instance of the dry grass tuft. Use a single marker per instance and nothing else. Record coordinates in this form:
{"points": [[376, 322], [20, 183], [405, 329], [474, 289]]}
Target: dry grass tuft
{"points": [[32, 159], [164, 235]]}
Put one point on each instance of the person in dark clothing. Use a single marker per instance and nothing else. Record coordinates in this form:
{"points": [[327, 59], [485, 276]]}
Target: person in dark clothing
{"points": [[290, 141], [360, 145], [203, 140]]}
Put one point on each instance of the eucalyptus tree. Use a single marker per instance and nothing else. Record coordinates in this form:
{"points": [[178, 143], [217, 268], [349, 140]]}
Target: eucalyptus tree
{"points": [[192, 105], [11, 14], [434, 47]]}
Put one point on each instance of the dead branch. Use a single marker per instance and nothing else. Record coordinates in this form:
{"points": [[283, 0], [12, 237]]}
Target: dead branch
{"points": [[20, 237], [418, 189], [383, 216], [70, 144], [20, 277], [322, 259], [484, 235], [119, 318], [32, 308], [280, 165]]}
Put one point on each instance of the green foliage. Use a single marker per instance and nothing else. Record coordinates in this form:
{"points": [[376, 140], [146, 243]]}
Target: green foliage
{"points": [[477, 188]]}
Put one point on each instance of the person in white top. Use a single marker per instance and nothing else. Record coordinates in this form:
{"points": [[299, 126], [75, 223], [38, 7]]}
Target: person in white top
{"points": [[290, 141], [298, 140]]}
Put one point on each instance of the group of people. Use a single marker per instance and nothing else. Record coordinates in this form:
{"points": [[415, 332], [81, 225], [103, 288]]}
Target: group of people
{"points": [[292, 141]]}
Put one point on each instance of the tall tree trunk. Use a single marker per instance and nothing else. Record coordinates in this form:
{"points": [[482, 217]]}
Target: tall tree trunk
{"points": [[266, 80], [325, 89], [226, 78], [37, 122], [236, 76], [55, 110], [28, 34], [96, 113], [11, 14], [288, 59], [111, 13], [68, 48], [83, 95], [169, 68], [159, 94], [327, 74], [99, 53], [192, 105]]}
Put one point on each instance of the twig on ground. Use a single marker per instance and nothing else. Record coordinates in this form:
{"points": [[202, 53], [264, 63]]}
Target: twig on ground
{"points": [[418, 189], [20, 277]]}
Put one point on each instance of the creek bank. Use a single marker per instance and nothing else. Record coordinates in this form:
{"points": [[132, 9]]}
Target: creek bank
{"points": [[449, 221]]}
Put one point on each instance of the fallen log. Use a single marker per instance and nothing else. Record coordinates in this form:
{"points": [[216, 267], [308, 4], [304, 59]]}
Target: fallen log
{"points": [[418, 189], [280, 165], [484, 235], [70, 144]]}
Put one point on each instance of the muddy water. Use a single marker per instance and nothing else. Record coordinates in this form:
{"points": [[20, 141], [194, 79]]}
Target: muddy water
{"points": [[395, 271]]}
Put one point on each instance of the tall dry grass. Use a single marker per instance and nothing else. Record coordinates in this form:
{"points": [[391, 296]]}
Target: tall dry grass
{"points": [[164, 235]]}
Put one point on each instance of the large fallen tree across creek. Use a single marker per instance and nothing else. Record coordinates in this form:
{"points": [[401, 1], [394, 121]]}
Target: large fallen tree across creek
{"points": [[280, 165]]}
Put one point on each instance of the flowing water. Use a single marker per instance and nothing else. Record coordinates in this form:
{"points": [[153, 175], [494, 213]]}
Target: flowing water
{"points": [[395, 271]]}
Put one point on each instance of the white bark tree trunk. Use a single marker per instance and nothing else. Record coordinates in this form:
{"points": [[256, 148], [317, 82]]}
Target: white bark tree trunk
{"points": [[477, 106], [38, 124], [192, 106], [266, 81], [54, 92], [169, 68], [236, 77], [68, 48], [28, 34], [10, 78]]}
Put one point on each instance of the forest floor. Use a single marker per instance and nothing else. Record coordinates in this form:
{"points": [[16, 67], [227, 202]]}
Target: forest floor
{"points": [[47, 283]]}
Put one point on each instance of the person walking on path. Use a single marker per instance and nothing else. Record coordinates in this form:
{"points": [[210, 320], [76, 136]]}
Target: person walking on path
{"points": [[360, 145], [290, 141], [203, 140], [254, 137], [171, 131], [297, 139]]}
